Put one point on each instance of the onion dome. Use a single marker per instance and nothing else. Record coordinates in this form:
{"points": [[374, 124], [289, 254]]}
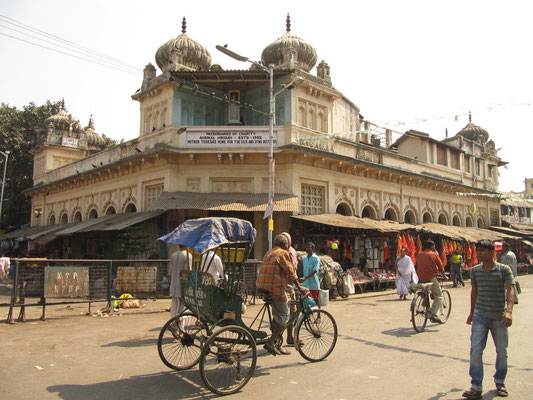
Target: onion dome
{"points": [[289, 52], [474, 132], [183, 54], [62, 122], [93, 138]]}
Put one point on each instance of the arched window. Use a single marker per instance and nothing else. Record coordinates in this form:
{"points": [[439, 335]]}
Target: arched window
{"points": [[130, 208], [110, 210], [480, 223], [77, 217], [64, 219], [93, 214], [456, 221], [443, 220], [52, 219], [343, 209], [390, 215], [369, 212], [409, 217], [426, 218], [301, 116], [468, 221]]}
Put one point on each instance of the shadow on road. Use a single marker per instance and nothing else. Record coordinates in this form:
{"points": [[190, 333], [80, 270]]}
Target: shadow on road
{"points": [[133, 343]]}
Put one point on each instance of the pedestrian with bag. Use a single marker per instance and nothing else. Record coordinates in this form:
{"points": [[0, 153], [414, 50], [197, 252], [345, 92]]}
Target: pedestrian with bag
{"points": [[457, 268]]}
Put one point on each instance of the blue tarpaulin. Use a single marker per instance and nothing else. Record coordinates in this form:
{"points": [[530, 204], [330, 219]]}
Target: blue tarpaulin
{"points": [[203, 234]]}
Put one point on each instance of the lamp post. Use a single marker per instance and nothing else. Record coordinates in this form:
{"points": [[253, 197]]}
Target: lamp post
{"points": [[6, 155], [272, 95]]}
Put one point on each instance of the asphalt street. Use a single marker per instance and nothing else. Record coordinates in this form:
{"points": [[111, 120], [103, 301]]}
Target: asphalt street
{"points": [[378, 356]]}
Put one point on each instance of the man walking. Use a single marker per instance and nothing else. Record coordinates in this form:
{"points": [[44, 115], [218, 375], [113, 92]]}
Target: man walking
{"points": [[180, 260], [428, 265], [311, 265], [274, 276], [492, 288], [457, 268], [507, 257]]}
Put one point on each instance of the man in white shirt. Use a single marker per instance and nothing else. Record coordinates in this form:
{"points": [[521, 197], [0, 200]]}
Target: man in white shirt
{"points": [[179, 261], [212, 264]]}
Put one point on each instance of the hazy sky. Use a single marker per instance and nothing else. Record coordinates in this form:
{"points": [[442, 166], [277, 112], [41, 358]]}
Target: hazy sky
{"points": [[407, 65]]}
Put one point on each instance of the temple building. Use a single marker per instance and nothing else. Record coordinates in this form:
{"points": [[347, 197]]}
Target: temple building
{"points": [[203, 150]]}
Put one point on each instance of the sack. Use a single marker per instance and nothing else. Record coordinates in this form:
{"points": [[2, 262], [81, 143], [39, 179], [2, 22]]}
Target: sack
{"points": [[330, 279], [347, 283]]}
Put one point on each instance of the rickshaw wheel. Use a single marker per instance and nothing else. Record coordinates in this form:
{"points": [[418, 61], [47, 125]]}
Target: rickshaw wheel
{"points": [[180, 348], [228, 360]]}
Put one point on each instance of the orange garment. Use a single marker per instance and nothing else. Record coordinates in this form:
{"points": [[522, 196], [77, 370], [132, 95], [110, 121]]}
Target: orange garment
{"points": [[418, 245], [386, 253], [428, 264], [443, 254]]}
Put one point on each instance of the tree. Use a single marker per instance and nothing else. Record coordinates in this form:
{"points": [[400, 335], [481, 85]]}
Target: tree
{"points": [[18, 134]]}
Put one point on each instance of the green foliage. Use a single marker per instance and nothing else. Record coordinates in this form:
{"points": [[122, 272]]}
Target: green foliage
{"points": [[18, 134]]}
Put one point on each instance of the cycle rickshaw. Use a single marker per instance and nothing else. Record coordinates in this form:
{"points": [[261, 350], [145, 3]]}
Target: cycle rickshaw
{"points": [[211, 331]]}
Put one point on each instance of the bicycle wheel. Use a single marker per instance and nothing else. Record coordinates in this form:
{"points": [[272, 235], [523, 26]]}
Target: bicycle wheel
{"points": [[228, 360], [180, 349], [418, 312], [318, 332], [242, 291], [444, 313]]}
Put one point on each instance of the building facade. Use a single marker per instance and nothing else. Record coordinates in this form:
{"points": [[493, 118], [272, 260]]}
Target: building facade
{"points": [[203, 142]]}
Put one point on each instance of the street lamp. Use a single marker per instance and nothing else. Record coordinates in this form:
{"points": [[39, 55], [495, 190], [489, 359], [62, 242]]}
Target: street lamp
{"points": [[6, 155], [288, 86]]}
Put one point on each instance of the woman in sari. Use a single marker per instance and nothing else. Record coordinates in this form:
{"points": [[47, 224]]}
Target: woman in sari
{"points": [[405, 273]]}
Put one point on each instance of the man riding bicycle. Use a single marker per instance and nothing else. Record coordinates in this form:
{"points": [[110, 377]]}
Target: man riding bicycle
{"points": [[428, 266]]}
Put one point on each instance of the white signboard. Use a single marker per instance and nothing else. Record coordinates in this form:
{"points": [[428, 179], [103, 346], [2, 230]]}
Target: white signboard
{"points": [[69, 141], [228, 139]]}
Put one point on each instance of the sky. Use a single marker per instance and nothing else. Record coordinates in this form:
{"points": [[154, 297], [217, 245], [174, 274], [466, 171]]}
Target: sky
{"points": [[407, 65]]}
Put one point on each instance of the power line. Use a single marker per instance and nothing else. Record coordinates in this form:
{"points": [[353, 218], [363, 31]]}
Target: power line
{"points": [[102, 60], [67, 54]]}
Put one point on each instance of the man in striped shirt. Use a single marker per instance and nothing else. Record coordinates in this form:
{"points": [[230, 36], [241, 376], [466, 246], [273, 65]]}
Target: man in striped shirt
{"points": [[274, 276], [491, 310]]}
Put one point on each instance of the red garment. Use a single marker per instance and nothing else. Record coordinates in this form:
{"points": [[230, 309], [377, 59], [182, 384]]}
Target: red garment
{"points": [[443, 254], [418, 245], [385, 253]]}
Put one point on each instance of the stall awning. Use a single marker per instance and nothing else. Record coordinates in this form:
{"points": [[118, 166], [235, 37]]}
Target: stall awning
{"points": [[512, 232], [517, 203], [46, 233], [224, 201], [344, 221], [470, 234], [114, 222]]}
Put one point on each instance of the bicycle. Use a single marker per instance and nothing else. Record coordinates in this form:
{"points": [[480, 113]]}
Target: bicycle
{"points": [[421, 306]]}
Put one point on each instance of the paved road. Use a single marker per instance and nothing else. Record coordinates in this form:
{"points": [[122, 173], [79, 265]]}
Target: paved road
{"points": [[378, 356]]}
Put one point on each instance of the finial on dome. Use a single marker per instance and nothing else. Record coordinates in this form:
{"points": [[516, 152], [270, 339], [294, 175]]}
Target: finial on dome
{"points": [[91, 122], [63, 103], [469, 116], [446, 133], [184, 25], [288, 22]]}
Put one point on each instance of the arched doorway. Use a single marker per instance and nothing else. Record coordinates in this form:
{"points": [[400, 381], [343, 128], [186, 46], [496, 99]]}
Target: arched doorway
{"points": [[343, 209], [468, 221], [480, 223], [130, 208], [110, 210], [64, 219], [409, 217], [369, 212], [456, 221], [426, 218], [443, 220], [93, 214], [391, 215]]}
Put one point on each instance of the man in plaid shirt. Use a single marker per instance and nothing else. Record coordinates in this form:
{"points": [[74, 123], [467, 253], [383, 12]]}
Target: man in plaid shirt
{"points": [[275, 274]]}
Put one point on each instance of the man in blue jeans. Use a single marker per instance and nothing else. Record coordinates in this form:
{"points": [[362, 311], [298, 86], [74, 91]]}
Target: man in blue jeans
{"points": [[492, 288]]}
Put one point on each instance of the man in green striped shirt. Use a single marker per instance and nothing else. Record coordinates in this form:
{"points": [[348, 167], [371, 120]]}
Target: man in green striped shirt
{"points": [[491, 310]]}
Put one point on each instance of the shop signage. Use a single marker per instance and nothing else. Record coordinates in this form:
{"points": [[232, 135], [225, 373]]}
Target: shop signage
{"points": [[69, 141]]}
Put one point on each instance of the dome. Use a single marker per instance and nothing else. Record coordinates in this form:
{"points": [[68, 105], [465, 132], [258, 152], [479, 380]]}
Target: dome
{"points": [[182, 53], [62, 121], [289, 52], [93, 138], [474, 132]]}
